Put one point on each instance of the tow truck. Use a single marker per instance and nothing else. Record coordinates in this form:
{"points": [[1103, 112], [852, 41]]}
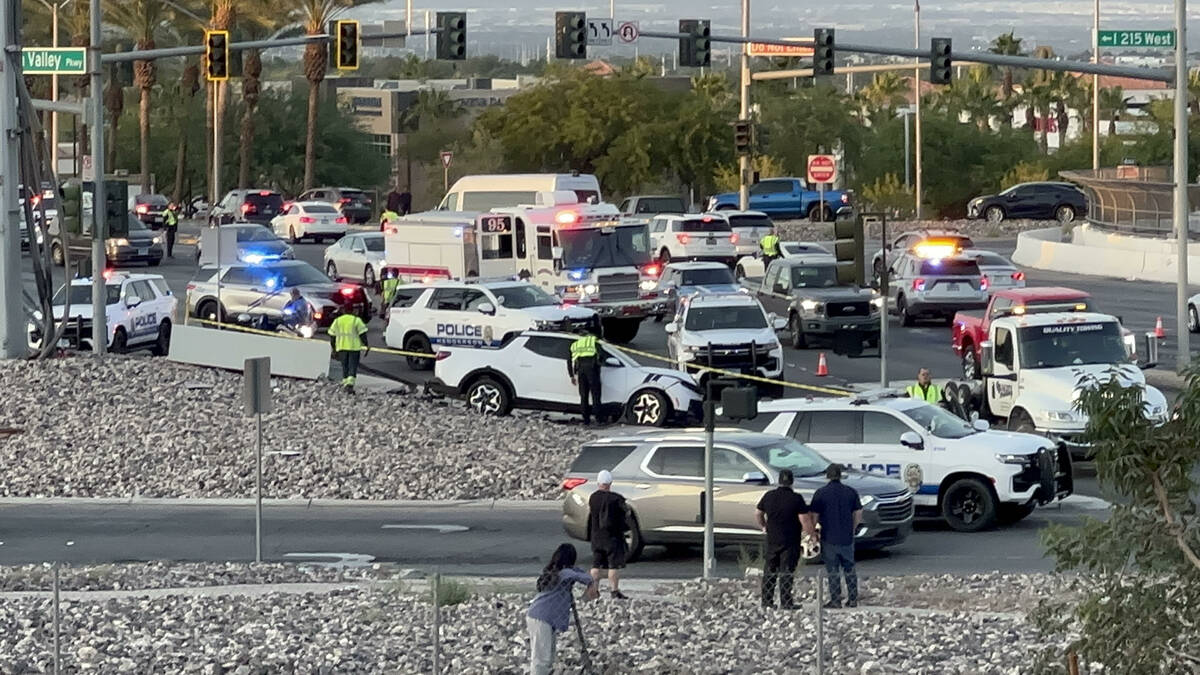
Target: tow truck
{"points": [[583, 252], [1034, 367]]}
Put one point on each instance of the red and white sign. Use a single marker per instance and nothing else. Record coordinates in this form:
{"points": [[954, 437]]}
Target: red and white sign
{"points": [[803, 48], [628, 32], [447, 156], [822, 169]]}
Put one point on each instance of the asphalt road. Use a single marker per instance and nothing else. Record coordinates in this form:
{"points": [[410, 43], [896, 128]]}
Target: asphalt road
{"points": [[508, 540]]}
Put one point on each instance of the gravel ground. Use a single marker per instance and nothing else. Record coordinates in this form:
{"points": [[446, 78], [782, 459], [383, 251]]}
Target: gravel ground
{"points": [[161, 574], [716, 629], [136, 426], [803, 230]]}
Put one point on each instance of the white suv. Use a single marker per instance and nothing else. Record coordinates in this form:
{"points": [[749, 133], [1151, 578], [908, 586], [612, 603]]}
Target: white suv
{"points": [[694, 237], [734, 327], [423, 317], [969, 474], [530, 371], [140, 309]]}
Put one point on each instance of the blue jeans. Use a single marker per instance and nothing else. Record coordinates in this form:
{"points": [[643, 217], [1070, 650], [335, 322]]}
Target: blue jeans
{"points": [[840, 558]]}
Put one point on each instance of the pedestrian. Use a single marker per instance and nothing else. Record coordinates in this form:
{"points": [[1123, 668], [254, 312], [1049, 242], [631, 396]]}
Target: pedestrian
{"points": [[925, 389], [770, 247], [171, 220], [387, 290], [839, 510], [387, 220], [783, 515], [405, 202], [608, 521], [348, 335], [584, 370], [550, 611]]}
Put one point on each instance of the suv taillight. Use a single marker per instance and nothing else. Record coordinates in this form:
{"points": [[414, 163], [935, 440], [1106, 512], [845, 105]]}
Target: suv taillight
{"points": [[442, 356], [733, 238], [983, 283], [572, 483], [683, 237], [918, 284]]}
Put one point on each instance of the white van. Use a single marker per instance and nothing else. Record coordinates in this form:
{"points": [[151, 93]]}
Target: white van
{"points": [[487, 192]]}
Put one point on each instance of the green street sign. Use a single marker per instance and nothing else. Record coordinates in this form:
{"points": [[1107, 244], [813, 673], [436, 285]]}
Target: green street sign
{"points": [[1136, 38], [54, 60]]}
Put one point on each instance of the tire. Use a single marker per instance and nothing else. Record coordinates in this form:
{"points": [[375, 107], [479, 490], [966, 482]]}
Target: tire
{"points": [[969, 506], [648, 408], [820, 213], [369, 277], [1193, 321], [417, 342], [162, 344], [993, 214], [634, 546], [798, 339], [486, 396], [331, 270], [120, 341], [620, 331], [725, 207], [1013, 513], [156, 262], [970, 363], [56, 254], [739, 273], [209, 311], [1020, 421], [292, 235], [1065, 214], [906, 319]]}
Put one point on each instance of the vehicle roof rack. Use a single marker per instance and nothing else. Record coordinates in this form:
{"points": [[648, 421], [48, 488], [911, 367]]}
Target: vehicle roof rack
{"points": [[873, 395]]}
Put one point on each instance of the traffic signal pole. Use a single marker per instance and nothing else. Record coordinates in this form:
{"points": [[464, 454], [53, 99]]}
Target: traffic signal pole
{"points": [[744, 110], [99, 203], [1182, 208], [13, 344]]}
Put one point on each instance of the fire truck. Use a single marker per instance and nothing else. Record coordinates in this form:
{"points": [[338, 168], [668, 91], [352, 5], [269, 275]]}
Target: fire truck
{"points": [[583, 252]]}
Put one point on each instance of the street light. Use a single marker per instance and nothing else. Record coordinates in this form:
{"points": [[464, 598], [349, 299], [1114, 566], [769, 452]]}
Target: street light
{"points": [[54, 7]]}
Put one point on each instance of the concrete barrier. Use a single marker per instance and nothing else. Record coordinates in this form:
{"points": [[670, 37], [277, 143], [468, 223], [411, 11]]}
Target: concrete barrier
{"points": [[229, 349], [1104, 254]]}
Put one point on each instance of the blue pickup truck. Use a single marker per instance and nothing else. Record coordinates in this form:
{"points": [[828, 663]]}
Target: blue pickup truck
{"points": [[787, 198]]}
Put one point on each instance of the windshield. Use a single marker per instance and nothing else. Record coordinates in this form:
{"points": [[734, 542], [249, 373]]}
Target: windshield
{"points": [[486, 201], [787, 453], [319, 208], [939, 422], [1072, 344], [704, 225], [725, 318], [82, 295], [299, 275], [152, 200], [522, 296], [708, 277], [374, 244], [814, 276], [749, 221], [255, 233], [658, 205], [990, 259], [268, 203], [628, 245]]}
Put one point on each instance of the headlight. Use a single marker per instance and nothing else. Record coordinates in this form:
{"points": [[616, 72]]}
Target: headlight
{"points": [[158, 239], [866, 500], [1059, 415], [648, 284], [1013, 458], [119, 242], [877, 302], [811, 305], [590, 289], [37, 314]]}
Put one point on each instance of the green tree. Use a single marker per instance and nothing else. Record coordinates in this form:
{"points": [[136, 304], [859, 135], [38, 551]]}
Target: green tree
{"points": [[1007, 44], [886, 92], [1113, 102], [805, 121], [258, 20]]}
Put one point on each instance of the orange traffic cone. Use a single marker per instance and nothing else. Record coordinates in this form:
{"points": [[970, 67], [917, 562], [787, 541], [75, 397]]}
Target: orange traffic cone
{"points": [[822, 367], [1159, 331]]}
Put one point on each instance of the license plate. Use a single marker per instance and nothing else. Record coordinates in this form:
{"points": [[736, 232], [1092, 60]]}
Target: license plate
{"points": [[711, 242], [143, 251], [953, 288]]}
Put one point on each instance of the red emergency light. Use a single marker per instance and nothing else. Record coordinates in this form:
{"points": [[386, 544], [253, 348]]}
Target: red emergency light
{"points": [[566, 217]]}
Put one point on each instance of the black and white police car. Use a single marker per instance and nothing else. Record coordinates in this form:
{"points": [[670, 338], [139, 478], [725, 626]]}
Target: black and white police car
{"points": [[140, 309]]}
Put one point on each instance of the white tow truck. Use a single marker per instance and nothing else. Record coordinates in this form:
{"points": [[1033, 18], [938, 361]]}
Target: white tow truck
{"points": [[582, 252], [1034, 367]]}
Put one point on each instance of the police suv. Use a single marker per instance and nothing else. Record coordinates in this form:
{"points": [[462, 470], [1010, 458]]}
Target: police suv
{"points": [[485, 314], [730, 331], [971, 475], [140, 308]]}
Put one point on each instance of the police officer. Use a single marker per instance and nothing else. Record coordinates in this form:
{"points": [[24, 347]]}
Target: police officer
{"points": [[171, 220], [770, 247], [387, 290], [925, 389], [584, 369], [348, 336], [388, 217]]}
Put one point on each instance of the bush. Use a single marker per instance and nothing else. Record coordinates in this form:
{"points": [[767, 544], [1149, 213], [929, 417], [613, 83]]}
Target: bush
{"points": [[1025, 172], [890, 195], [451, 592]]}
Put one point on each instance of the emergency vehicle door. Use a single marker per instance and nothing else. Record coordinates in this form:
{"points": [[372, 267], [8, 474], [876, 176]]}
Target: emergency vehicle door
{"points": [[1002, 383], [542, 364], [497, 253]]}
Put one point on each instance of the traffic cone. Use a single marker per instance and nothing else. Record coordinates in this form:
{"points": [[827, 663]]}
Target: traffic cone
{"points": [[822, 367], [1159, 331]]}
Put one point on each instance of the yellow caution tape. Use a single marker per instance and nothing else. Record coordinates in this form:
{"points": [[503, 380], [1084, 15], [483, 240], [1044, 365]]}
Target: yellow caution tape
{"points": [[287, 336]]}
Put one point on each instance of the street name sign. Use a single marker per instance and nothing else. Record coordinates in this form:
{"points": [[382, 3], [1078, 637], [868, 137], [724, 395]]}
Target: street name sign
{"points": [[54, 60], [1136, 38]]}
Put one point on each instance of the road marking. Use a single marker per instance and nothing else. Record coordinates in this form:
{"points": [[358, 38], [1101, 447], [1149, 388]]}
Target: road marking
{"points": [[340, 560], [441, 529]]}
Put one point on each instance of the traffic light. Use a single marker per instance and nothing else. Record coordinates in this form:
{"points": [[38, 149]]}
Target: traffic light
{"points": [[116, 207], [346, 48], [822, 52], [939, 61], [570, 35], [216, 55], [742, 137], [848, 249], [71, 210], [695, 50], [452, 36]]}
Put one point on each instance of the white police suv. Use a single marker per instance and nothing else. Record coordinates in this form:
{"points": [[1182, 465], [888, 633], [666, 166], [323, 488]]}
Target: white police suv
{"points": [[423, 317], [140, 309], [969, 474], [730, 331]]}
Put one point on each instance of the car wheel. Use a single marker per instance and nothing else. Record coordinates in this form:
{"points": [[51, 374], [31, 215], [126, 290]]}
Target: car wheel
{"points": [[1193, 319], [994, 214], [906, 319], [1020, 421], [1013, 513], [56, 254], [1064, 214], [162, 345], [417, 342], [156, 262], [369, 278], [620, 331], [798, 340], [810, 548], [209, 311], [970, 365], [331, 270], [634, 546], [968, 506], [648, 408], [739, 273], [488, 397], [817, 213], [120, 342], [292, 235]]}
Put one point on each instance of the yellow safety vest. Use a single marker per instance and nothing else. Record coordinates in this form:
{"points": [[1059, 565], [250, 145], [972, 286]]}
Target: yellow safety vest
{"points": [[347, 330], [584, 347], [769, 244], [170, 218], [389, 289], [931, 395], [389, 216]]}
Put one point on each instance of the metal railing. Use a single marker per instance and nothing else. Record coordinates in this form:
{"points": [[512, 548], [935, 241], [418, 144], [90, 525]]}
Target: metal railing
{"points": [[1134, 200]]}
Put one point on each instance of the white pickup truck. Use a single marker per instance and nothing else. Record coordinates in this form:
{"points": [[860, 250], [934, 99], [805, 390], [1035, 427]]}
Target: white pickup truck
{"points": [[1033, 369]]}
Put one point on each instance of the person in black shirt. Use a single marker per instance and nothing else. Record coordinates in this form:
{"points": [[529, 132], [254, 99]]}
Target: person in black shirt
{"points": [[782, 514], [608, 523], [840, 512], [399, 201]]}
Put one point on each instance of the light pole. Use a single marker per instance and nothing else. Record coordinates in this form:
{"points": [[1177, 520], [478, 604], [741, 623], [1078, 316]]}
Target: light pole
{"points": [[744, 110], [1096, 87], [1182, 208], [917, 104], [54, 7]]}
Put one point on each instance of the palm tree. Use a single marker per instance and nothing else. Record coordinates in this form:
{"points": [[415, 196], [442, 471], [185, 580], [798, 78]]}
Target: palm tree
{"points": [[887, 91], [259, 20], [77, 23], [432, 105], [189, 84], [1007, 44], [1037, 98], [114, 103], [1193, 87], [1113, 102], [142, 20]]}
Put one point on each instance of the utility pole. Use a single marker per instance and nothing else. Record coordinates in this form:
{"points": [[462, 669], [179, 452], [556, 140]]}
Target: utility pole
{"points": [[1096, 87], [744, 110], [11, 314], [917, 105], [218, 96], [99, 203], [408, 21], [1182, 208]]}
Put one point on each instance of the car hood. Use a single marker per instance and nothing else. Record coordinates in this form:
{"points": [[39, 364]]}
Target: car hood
{"points": [[277, 246], [1062, 384], [765, 336], [558, 312], [709, 288], [982, 198], [80, 311], [143, 237], [834, 293], [864, 483]]}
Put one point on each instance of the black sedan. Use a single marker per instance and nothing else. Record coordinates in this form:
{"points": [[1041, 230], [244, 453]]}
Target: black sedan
{"points": [[1039, 201], [133, 244]]}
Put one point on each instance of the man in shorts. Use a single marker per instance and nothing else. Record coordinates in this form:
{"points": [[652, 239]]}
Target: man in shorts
{"points": [[608, 522]]}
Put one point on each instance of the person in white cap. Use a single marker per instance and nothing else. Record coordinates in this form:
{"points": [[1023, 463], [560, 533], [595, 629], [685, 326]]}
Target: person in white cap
{"points": [[608, 520]]}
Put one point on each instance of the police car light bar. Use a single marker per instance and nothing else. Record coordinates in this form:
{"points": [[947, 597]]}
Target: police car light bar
{"points": [[936, 249]]}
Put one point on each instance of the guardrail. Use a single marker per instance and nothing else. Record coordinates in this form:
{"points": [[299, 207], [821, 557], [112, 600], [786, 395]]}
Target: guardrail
{"points": [[1135, 200]]}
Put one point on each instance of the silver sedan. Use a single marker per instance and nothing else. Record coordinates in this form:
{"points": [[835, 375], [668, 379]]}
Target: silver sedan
{"points": [[358, 256]]}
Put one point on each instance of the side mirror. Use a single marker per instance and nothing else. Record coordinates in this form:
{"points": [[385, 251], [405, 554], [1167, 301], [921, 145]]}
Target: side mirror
{"points": [[980, 425], [244, 318], [556, 252], [133, 301], [487, 308], [911, 439], [755, 477], [778, 322], [612, 362], [986, 359], [887, 247], [671, 328]]}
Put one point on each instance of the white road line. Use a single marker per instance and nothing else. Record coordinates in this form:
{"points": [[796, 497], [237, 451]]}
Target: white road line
{"points": [[441, 529]]}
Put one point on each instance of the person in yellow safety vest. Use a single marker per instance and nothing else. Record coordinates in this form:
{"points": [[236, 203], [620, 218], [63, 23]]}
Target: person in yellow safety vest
{"points": [[387, 291], [925, 389], [584, 370], [348, 336], [171, 222], [388, 217], [770, 247]]}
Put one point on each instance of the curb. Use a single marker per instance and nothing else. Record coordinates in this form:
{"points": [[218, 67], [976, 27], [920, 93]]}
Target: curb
{"points": [[489, 504]]}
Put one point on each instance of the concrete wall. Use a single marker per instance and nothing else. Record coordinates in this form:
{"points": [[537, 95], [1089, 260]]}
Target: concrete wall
{"points": [[1103, 254], [229, 349]]}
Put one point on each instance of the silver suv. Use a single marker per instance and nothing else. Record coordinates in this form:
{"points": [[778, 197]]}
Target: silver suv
{"points": [[661, 474]]}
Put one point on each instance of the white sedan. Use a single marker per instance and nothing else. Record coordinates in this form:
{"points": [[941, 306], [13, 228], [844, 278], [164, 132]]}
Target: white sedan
{"points": [[1001, 273], [751, 266], [1193, 318], [358, 256], [309, 220]]}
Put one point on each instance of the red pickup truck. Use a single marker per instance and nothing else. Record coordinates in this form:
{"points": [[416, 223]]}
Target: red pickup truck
{"points": [[970, 329]]}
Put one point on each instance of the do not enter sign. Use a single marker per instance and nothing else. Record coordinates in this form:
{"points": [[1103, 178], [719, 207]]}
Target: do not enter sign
{"points": [[822, 168]]}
